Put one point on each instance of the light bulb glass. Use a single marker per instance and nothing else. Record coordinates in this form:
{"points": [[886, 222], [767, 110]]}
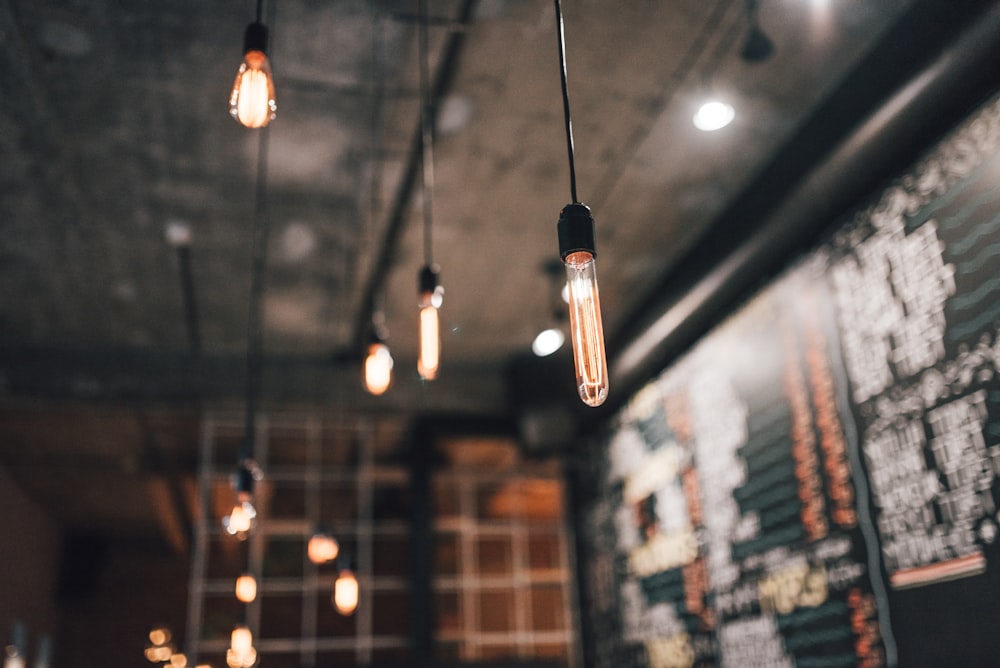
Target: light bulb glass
{"points": [[241, 640], [586, 328], [245, 659], [241, 518], [322, 548], [159, 636], [246, 588], [713, 115], [178, 661], [430, 339], [378, 368], [345, 592], [547, 342], [252, 100]]}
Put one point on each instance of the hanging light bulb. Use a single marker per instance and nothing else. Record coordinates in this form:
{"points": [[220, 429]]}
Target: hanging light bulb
{"points": [[322, 548], [576, 247], [252, 100], [345, 592], [577, 251], [241, 639], [241, 652], [431, 297], [378, 367], [246, 588], [243, 516]]}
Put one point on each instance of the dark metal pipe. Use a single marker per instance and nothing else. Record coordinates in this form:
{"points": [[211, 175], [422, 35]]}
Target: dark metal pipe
{"points": [[190, 303]]}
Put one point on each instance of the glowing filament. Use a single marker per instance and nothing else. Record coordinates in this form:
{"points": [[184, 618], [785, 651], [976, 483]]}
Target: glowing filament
{"points": [[252, 100], [587, 328]]}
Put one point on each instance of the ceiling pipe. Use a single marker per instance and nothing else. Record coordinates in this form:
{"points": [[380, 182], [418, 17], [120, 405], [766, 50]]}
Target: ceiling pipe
{"points": [[443, 78], [933, 67]]}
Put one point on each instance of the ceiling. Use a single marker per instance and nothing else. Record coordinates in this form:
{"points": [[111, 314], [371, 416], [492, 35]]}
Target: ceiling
{"points": [[114, 136]]}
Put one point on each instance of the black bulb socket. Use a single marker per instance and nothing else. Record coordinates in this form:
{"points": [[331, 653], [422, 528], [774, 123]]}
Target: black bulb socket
{"points": [[428, 280], [245, 479], [255, 38], [576, 230]]}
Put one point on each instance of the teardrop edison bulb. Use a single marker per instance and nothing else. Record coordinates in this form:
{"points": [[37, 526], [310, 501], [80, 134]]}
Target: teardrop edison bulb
{"points": [[576, 247], [251, 101]]}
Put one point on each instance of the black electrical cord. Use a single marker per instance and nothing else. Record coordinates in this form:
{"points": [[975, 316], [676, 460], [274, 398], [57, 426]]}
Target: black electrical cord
{"points": [[254, 317], [426, 135], [565, 96]]}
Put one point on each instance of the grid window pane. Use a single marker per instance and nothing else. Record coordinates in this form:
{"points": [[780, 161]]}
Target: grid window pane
{"points": [[447, 612], [447, 555], [280, 615], [495, 556], [391, 556], [496, 611], [390, 613], [548, 607], [288, 501], [543, 551], [445, 500], [283, 557]]}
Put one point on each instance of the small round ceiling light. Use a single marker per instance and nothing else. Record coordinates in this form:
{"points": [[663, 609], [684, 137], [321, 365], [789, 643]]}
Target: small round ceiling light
{"points": [[713, 115], [547, 342]]}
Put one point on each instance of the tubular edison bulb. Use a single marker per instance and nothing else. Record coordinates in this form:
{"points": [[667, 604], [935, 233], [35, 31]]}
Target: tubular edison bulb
{"points": [[431, 297], [252, 100], [576, 246], [241, 640], [378, 368], [345, 592]]}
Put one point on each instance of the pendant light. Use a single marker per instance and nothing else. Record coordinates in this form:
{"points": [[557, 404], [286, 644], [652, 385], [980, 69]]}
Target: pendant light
{"points": [[577, 250], [246, 588], [378, 367], [345, 592], [428, 282], [252, 101], [322, 547], [377, 370]]}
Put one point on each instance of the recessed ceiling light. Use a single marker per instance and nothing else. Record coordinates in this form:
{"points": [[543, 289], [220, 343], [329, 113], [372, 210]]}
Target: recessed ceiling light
{"points": [[713, 115], [547, 342]]}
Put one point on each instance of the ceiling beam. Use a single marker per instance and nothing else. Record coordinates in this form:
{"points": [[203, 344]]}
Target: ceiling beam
{"points": [[139, 374]]}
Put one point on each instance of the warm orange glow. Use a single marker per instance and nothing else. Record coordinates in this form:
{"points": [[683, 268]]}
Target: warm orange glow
{"points": [[240, 518], [241, 640], [252, 100], [587, 329], [178, 661], [159, 636], [378, 368], [246, 588], [430, 342], [345, 592], [322, 548]]}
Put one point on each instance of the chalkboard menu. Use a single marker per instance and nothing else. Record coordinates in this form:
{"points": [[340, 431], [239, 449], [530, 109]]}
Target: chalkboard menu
{"points": [[816, 483]]}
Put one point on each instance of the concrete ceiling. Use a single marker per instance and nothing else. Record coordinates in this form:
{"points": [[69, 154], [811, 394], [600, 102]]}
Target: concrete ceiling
{"points": [[114, 130]]}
